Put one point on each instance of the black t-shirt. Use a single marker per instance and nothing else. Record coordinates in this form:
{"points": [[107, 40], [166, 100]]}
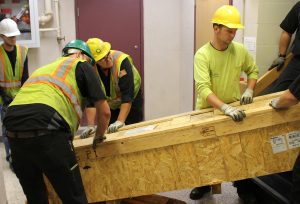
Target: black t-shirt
{"points": [[12, 55], [126, 83], [40, 116], [290, 24], [295, 88]]}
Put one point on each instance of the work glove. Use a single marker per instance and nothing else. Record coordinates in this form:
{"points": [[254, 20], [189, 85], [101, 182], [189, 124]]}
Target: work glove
{"points": [[274, 103], [115, 126], [89, 130], [97, 140], [234, 113], [279, 62], [247, 97]]}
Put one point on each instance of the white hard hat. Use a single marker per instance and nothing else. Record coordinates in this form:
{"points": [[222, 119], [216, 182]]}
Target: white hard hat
{"points": [[9, 28]]}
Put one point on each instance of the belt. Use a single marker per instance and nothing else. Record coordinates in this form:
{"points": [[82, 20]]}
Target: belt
{"points": [[28, 134]]}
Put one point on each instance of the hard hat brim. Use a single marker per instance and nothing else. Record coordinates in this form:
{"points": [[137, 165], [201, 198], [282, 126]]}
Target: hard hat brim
{"points": [[12, 34]]}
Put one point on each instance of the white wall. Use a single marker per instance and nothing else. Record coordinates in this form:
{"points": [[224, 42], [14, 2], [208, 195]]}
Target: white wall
{"points": [[168, 56], [168, 52]]}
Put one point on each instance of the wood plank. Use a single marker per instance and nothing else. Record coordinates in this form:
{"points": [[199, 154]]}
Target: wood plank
{"points": [[191, 150]]}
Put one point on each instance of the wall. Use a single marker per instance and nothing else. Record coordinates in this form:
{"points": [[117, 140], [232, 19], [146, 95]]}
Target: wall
{"points": [[168, 52], [3, 198], [261, 20]]}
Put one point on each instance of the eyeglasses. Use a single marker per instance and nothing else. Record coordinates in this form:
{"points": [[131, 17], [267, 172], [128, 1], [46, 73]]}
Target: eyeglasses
{"points": [[105, 58]]}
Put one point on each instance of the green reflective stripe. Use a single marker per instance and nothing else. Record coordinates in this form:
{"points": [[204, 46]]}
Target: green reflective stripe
{"points": [[63, 68], [63, 86], [23, 54], [16, 84], [115, 55]]}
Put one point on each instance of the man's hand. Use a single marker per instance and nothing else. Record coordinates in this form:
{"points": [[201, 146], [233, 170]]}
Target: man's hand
{"points": [[97, 140], [115, 126], [279, 62], [274, 103], [234, 113], [247, 97], [89, 130]]}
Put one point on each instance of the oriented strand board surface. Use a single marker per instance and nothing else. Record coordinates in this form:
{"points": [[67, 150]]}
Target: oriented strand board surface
{"points": [[184, 151]]}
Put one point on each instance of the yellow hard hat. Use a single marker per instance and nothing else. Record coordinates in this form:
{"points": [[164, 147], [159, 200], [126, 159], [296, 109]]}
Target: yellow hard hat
{"points": [[228, 16], [98, 48]]}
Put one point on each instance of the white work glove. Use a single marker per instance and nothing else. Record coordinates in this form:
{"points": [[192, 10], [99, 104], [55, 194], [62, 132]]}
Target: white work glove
{"points": [[89, 130], [278, 62], [115, 126], [274, 103], [247, 97], [234, 113]]}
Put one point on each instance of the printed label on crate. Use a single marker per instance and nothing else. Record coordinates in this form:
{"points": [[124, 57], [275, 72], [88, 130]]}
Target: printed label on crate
{"points": [[278, 144], [293, 139]]}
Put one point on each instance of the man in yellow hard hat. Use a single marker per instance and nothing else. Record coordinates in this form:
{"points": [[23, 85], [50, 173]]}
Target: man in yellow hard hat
{"points": [[14, 72], [42, 119], [217, 69], [121, 83]]}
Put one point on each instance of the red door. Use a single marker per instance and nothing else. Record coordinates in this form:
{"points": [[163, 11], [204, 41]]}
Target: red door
{"points": [[116, 21]]}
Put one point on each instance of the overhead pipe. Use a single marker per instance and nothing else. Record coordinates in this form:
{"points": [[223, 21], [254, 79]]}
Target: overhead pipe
{"points": [[48, 12]]}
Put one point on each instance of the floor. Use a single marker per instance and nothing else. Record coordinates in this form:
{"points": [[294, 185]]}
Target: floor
{"points": [[15, 194]]}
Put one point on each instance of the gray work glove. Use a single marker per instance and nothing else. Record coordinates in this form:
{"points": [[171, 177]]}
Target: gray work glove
{"points": [[97, 140], [234, 113], [278, 62], [88, 131], [274, 103], [247, 97], [115, 126]]}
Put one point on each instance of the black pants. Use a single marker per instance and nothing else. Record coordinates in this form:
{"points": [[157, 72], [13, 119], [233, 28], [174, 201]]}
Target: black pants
{"points": [[53, 155], [296, 182], [291, 72], [136, 112]]}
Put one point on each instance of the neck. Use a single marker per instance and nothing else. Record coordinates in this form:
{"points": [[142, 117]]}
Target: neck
{"points": [[8, 47], [219, 45]]}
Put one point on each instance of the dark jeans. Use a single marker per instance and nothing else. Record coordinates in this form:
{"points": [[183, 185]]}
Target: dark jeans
{"points": [[287, 76], [4, 133], [136, 112], [53, 155], [296, 182]]}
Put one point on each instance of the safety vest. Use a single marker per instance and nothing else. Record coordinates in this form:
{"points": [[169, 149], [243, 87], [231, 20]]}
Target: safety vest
{"points": [[9, 81], [114, 100], [55, 85]]}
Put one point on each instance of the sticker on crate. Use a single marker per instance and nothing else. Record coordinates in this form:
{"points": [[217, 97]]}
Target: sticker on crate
{"points": [[293, 139], [278, 144]]}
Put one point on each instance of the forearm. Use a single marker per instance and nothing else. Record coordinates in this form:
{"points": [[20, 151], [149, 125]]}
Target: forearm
{"points": [[90, 114], [103, 111], [251, 83], [214, 101], [284, 42], [286, 100], [124, 111]]}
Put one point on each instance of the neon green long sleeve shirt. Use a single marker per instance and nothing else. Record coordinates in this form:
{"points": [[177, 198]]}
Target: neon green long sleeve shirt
{"points": [[219, 72]]}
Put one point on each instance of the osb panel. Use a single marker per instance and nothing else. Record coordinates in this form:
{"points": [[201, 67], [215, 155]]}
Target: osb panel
{"points": [[210, 162], [233, 156]]}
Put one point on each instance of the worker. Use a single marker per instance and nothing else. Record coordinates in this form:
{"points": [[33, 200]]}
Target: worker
{"points": [[14, 72], [121, 83], [217, 68], [43, 118], [289, 98], [289, 25]]}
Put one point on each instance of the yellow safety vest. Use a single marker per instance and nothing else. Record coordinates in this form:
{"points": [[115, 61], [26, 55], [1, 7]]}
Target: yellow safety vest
{"points": [[114, 100], [10, 82], [55, 85]]}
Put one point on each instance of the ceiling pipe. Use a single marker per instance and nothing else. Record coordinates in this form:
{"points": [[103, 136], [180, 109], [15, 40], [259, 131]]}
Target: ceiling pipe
{"points": [[48, 15]]}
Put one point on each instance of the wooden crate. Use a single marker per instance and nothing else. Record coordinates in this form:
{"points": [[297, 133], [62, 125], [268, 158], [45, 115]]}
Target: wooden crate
{"points": [[192, 149]]}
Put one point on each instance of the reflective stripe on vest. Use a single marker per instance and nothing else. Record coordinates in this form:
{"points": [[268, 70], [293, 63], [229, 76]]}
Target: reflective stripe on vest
{"points": [[57, 80], [7, 80]]}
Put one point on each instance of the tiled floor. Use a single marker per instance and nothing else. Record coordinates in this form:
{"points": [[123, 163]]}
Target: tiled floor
{"points": [[15, 194]]}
